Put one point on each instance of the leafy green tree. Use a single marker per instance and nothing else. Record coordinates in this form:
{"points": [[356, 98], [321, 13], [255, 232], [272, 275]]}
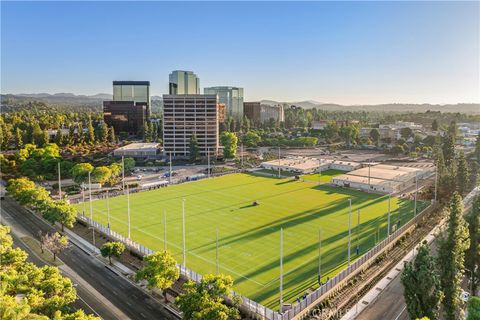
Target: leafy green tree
{"points": [[375, 135], [112, 138], [422, 285], [80, 172], [112, 249], [90, 137], [160, 271], [193, 148], [104, 133], [229, 141], [463, 175], [406, 133], [472, 256], [101, 174], [251, 139], [55, 242], [448, 148], [473, 308], [129, 164], [477, 148], [349, 133], [62, 212], [245, 125], [451, 258], [59, 138], [18, 138], [205, 300], [434, 125]]}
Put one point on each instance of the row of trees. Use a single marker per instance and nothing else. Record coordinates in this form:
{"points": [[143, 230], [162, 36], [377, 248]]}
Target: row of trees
{"points": [[31, 292], [430, 282], [27, 193]]}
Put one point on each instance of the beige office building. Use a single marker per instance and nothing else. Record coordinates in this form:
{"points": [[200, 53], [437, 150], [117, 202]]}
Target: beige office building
{"points": [[184, 115]]}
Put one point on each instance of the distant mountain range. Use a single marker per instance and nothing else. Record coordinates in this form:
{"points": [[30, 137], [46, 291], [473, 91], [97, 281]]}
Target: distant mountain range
{"points": [[97, 99]]}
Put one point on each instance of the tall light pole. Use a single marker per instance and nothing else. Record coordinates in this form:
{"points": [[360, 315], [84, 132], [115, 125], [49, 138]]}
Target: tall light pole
{"points": [[128, 210], [164, 231], [83, 198], [170, 167], [358, 231], [91, 209], [416, 190], [108, 212], [320, 257], [123, 174], [216, 251], [279, 162], [241, 155], [59, 182], [369, 187], [281, 270], [183, 234], [436, 182], [388, 224], [349, 229], [208, 161]]}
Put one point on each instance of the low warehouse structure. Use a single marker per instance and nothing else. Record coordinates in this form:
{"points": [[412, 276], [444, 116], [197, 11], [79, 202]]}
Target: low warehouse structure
{"points": [[380, 178], [149, 150], [303, 165]]}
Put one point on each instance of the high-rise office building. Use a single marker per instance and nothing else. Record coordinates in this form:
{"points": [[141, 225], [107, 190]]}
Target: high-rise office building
{"points": [[184, 115], [125, 116], [136, 91], [183, 82], [232, 97], [260, 113]]}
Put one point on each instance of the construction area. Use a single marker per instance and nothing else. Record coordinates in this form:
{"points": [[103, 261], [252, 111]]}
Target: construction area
{"points": [[304, 165]]}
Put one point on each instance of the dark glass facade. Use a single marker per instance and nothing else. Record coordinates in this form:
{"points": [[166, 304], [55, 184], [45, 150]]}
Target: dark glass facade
{"points": [[125, 116]]}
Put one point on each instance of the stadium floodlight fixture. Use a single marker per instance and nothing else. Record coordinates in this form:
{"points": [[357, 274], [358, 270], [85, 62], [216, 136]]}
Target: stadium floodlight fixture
{"points": [[349, 229], [183, 234], [389, 214], [108, 212], [281, 270], [59, 182], [128, 210], [91, 209]]}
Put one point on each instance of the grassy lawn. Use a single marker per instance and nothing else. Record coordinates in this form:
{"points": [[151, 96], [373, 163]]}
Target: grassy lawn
{"points": [[249, 235]]}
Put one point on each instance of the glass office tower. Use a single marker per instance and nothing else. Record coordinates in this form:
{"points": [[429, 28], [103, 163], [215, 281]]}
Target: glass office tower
{"points": [[136, 91], [183, 82], [232, 97]]}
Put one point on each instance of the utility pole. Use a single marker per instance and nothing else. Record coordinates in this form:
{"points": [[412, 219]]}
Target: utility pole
{"points": [[128, 210], [59, 182], [369, 187], [320, 257], [91, 209], [388, 225], [349, 229], [183, 234], [123, 174], [216, 251], [279, 162], [436, 182], [164, 231], [281, 270]]}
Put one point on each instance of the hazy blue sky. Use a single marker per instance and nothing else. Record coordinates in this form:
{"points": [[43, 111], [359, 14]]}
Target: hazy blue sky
{"points": [[343, 52]]}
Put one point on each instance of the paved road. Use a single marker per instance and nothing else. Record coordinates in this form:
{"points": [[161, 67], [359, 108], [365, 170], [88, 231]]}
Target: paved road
{"points": [[110, 295]]}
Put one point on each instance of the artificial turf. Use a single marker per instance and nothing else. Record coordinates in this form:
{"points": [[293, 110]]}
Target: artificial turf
{"points": [[249, 235]]}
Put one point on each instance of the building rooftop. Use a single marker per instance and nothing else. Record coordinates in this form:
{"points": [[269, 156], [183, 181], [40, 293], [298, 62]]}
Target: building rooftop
{"points": [[140, 146], [131, 83]]}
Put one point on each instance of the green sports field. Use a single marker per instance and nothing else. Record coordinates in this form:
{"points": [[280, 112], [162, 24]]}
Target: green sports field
{"points": [[249, 235]]}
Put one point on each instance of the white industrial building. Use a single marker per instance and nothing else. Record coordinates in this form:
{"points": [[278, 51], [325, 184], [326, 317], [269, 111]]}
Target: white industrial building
{"points": [[151, 150], [305, 165], [380, 178]]}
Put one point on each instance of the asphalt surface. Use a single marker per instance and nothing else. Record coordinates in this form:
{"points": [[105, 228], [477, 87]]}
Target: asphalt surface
{"points": [[109, 288]]}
